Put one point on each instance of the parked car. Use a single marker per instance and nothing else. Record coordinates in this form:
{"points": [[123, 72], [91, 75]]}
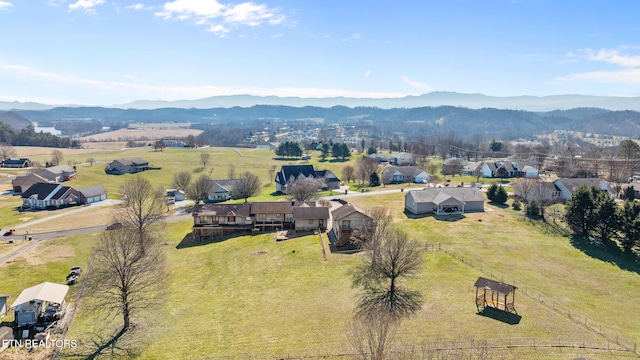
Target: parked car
{"points": [[114, 226], [76, 269]]}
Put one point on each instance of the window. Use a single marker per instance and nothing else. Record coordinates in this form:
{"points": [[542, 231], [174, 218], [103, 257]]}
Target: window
{"points": [[346, 224], [262, 216], [203, 219], [310, 221], [231, 219], [278, 215]]}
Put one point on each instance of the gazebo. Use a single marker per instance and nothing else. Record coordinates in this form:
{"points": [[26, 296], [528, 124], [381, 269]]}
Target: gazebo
{"points": [[495, 294]]}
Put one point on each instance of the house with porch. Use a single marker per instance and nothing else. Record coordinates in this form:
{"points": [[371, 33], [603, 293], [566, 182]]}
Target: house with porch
{"points": [[444, 201], [346, 220], [42, 195], [213, 220], [128, 166]]}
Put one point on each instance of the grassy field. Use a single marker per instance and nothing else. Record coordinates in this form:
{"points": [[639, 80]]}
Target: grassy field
{"points": [[252, 295]]}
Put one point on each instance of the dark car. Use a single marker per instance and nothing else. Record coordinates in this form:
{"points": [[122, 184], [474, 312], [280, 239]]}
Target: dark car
{"points": [[114, 226]]}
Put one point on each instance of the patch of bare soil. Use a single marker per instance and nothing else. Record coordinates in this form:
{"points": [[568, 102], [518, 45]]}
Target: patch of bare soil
{"points": [[44, 254]]}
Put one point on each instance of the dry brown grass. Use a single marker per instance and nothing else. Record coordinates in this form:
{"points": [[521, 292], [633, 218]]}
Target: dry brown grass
{"points": [[142, 133]]}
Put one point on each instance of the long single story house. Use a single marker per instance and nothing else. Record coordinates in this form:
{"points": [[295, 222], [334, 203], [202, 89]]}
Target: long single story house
{"points": [[444, 201], [567, 186], [15, 163], [128, 166]]}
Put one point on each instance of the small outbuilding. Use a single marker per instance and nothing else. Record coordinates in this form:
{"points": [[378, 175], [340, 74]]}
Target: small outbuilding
{"points": [[32, 302], [495, 294]]}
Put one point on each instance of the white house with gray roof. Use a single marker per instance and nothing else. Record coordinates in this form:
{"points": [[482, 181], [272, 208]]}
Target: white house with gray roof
{"points": [[444, 201]]}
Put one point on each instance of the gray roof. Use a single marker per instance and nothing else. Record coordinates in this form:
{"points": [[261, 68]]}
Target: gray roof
{"points": [[346, 210], [93, 191], [307, 212], [133, 161], [437, 195], [404, 170], [59, 169]]}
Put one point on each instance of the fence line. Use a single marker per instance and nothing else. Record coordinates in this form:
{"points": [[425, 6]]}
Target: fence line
{"points": [[544, 300]]}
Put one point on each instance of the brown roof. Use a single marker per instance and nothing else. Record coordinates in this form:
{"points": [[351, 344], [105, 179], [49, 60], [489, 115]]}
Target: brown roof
{"points": [[306, 212], [28, 179], [493, 285], [346, 210], [280, 207], [222, 210]]}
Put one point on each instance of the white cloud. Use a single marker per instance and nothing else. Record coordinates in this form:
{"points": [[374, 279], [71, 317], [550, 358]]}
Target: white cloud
{"points": [[5, 5], [87, 6], [352, 37], [367, 73], [218, 17], [627, 63], [415, 84], [139, 6]]}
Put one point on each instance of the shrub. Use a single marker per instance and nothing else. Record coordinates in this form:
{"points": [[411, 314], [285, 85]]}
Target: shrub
{"points": [[516, 205]]}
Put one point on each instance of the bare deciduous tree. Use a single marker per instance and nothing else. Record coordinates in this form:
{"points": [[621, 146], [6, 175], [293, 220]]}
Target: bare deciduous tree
{"points": [[199, 189], [247, 185], [371, 336], [91, 161], [56, 157], [389, 258], [272, 172], [204, 159], [231, 173], [181, 180], [304, 188], [348, 173], [7, 151], [142, 207], [365, 167], [125, 281]]}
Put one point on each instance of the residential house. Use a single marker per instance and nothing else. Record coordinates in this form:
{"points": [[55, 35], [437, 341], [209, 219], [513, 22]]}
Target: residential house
{"points": [[42, 195], [92, 194], [177, 195], [128, 166], [174, 143], [22, 183], [405, 174], [636, 188], [529, 172], [59, 173], [221, 190], [290, 173], [401, 159], [568, 186], [347, 219], [277, 215], [444, 201], [310, 217], [492, 169], [381, 159], [15, 163], [212, 220]]}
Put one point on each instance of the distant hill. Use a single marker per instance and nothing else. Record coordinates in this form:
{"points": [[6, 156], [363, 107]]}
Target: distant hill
{"points": [[472, 101], [15, 120], [490, 122], [433, 99]]}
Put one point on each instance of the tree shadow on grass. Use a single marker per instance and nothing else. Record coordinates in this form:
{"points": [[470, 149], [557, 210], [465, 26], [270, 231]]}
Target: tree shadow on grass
{"points": [[189, 240], [607, 251], [503, 316], [449, 218]]}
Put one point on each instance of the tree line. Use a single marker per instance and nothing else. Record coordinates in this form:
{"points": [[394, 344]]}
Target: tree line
{"points": [[29, 137]]}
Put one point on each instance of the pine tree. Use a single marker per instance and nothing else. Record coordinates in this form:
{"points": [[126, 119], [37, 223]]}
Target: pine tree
{"points": [[579, 211]]}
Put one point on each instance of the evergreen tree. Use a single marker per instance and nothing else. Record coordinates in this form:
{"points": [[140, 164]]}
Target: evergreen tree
{"points": [[606, 216], [579, 211], [324, 151], [491, 192], [374, 179], [501, 195], [532, 208], [629, 193], [629, 226]]}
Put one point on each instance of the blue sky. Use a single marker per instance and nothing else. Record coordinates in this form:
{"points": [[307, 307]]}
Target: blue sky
{"points": [[101, 52]]}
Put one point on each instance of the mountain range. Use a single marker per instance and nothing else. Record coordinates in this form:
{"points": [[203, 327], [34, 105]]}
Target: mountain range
{"points": [[470, 101]]}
